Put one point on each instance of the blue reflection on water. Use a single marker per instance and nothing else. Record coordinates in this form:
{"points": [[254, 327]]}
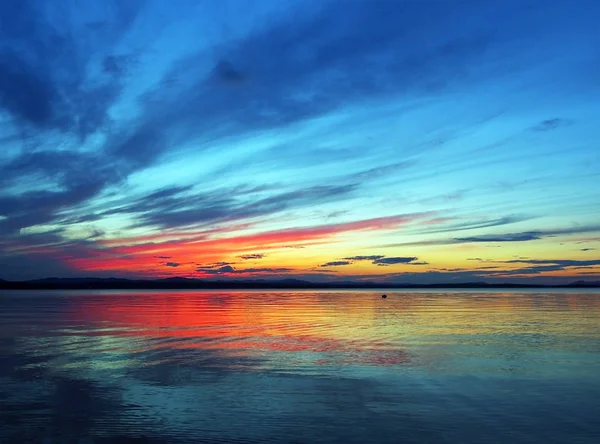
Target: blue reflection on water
{"points": [[299, 367]]}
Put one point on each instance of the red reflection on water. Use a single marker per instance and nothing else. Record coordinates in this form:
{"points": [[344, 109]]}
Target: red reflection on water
{"points": [[239, 323]]}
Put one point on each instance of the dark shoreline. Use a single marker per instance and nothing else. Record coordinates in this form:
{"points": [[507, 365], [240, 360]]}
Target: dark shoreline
{"points": [[287, 284]]}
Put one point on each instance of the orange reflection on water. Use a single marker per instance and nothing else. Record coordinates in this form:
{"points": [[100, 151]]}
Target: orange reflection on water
{"points": [[247, 323], [342, 327]]}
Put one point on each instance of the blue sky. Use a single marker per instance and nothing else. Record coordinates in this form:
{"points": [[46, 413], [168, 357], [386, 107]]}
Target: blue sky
{"points": [[142, 134]]}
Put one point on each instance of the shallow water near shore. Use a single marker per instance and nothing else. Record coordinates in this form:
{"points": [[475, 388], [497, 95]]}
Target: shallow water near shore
{"points": [[300, 366]]}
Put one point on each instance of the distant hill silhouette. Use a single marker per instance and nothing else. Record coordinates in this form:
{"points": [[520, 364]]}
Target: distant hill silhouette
{"points": [[593, 284], [54, 283]]}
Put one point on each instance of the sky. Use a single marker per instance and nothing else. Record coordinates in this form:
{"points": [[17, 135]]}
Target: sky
{"points": [[384, 140]]}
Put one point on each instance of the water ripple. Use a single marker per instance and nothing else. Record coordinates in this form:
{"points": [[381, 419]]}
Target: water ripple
{"points": [[299, 367]]}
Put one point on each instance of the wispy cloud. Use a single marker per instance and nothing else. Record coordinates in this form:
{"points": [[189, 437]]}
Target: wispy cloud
{"points": [[335, 264], [105, 258], [473, 224], [135, 133], [550, 124], [252, 256], [558, 262], [229, 270], [513, 237], [539, 266], [374, 259], [222, 205], [394, 260], [364, 258], [508, 237]]}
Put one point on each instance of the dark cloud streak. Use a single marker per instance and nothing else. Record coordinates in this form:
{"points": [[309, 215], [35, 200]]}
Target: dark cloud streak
{"points": [[509, 237], [364, 258], [375, 260], [228, 270], [252, 256], [394, 260], [335, 264]]}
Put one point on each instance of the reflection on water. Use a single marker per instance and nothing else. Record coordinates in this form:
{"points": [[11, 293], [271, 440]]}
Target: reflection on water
{"points": [[300, 367]]}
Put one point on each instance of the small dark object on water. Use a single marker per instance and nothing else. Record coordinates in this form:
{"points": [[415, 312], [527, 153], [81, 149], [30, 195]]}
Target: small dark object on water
{"points": [[384, 296]]}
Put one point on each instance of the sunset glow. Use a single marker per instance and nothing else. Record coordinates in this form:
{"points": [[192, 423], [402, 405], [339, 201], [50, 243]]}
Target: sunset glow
{"points": [[326, 141]]}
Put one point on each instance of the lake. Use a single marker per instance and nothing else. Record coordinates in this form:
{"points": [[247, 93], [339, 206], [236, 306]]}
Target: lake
{"points": [[300, 367]]}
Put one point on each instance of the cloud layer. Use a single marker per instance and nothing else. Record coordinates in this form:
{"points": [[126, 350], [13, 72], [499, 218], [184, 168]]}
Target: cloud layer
{"points": [[137, 139]]}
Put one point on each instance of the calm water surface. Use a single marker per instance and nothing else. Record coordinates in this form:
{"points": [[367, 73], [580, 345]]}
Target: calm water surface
{"points": [[300, 367]]}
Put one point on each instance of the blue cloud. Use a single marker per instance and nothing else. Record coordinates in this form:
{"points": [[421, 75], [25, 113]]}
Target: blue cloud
{"points": [[394, 260], [514, 237], [508, 237], [111, 122], [335, 264], [364, 258], [228, 270], [550, 124]]}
